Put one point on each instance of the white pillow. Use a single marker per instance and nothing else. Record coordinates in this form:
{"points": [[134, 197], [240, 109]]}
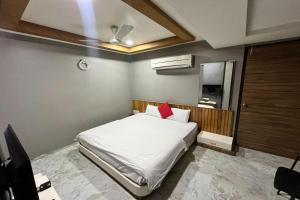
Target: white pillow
{"points": [[180, 115], [152, 111]]}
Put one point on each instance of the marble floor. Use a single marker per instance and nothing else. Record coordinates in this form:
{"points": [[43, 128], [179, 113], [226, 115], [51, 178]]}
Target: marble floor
{"points": [[201, 174]]}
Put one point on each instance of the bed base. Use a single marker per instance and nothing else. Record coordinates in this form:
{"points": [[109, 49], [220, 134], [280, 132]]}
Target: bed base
{"points": [[137, 190]]}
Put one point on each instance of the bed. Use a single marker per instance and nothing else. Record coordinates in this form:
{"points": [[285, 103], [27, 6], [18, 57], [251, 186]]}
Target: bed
{"points": [[138, 151]]}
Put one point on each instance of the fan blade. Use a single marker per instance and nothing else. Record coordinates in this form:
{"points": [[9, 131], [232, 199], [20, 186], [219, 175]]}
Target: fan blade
{"points": [[123, 31]]}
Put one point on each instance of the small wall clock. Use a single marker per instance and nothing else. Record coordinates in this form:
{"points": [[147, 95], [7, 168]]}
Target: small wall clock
{"points": [[83, 65]]}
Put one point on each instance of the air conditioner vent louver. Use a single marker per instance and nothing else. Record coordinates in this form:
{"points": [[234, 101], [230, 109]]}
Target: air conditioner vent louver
{"points": [[175, 62]]}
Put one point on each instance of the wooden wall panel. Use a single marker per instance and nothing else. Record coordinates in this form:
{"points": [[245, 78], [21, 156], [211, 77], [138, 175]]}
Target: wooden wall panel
{"points": [[270, 119], [212, 120]]}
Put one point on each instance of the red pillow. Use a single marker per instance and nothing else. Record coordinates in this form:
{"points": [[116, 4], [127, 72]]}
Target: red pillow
{"points": [[165, 110]]}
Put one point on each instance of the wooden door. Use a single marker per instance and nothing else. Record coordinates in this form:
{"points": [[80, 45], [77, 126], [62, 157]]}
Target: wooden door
{"points": [[270, 107]]}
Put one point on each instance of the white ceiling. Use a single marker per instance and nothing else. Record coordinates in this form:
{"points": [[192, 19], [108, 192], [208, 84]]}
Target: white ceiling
{"points": [[267, 17], [96, 19], [221, 23], [226, 23]]}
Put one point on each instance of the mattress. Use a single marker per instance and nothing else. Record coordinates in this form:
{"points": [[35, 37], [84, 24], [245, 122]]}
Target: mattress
{"points": [[142, 147]]}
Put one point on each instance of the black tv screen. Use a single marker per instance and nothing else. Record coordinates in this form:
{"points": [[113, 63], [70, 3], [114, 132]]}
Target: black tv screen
{"points": [[20, 170]]}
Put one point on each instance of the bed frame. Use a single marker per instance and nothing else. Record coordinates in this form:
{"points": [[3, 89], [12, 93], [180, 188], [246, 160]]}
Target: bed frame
{"points": [[132, 187], [138, 190], [222, 123], [135, 189]]}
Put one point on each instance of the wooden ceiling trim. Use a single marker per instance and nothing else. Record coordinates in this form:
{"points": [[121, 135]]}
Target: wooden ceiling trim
{"points": [[11, 12], [43, 31], [157, 44], [149, 9]]}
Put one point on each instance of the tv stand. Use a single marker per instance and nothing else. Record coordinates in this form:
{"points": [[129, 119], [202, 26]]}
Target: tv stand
{"points": [[48, 194], [4, 185]]}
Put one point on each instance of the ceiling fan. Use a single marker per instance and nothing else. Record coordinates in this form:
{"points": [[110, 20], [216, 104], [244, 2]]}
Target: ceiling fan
{"points": [[118, 34]]}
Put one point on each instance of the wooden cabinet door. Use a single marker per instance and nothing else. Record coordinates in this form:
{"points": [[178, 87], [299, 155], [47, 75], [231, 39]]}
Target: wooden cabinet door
{"points": [[270, 107]]}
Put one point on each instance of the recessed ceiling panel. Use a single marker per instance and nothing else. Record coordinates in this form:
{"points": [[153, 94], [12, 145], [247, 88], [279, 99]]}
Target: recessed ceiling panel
{"points": [[93, 18], [213, 20], [168, 7], [265, 16], [224, 23]]}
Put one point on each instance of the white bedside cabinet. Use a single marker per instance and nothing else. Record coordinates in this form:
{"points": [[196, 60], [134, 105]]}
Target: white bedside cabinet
{"points": [[215, 140], [135, 112]]}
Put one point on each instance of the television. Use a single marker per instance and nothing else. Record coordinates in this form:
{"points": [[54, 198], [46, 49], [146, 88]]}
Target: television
{"points": [[19, 171]]}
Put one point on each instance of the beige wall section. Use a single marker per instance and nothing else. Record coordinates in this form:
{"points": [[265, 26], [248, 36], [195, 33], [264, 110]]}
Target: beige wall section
{"points": [[48, 100]]}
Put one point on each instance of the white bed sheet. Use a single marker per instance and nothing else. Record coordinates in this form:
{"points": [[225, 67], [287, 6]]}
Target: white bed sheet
{"points": [[144, 148]]}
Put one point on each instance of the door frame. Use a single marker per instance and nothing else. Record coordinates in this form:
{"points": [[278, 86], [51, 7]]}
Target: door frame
{"points": [[247, 49]]}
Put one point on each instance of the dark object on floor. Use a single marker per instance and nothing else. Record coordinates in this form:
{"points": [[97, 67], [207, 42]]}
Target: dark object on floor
{"points": [[16, 172], [288, 180]]}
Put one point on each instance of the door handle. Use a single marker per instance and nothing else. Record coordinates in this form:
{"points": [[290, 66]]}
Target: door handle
{"points": [[244, 105]]}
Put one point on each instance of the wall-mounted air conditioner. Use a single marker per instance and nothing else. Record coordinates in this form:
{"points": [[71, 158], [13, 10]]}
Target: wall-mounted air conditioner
{"points": [[174, 62]]}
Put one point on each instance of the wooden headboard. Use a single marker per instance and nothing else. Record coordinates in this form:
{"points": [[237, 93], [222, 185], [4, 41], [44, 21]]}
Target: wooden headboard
{"points": [[212, 120]]}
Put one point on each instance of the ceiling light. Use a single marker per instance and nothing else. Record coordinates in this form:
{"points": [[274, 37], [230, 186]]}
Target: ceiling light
{"points": [[114, 41], [129, 42]]}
